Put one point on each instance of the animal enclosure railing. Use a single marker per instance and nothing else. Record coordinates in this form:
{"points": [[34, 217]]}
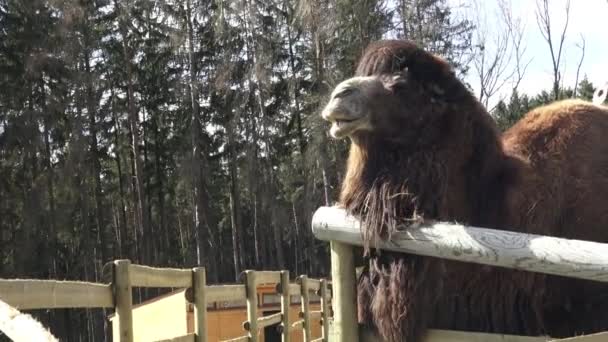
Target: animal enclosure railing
{"points": [[543, 254], [27, 294]]}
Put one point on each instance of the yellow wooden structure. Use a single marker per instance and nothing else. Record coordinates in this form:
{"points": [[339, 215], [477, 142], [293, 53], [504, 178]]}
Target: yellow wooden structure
{"points": [[172, 315], [267, 306]]}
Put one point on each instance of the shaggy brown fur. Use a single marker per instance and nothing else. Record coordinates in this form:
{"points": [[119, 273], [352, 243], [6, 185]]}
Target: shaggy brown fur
{"points": [[429, 150]]}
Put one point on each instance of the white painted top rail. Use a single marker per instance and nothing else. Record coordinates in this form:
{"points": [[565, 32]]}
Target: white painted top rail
{"points": [[536, 253]]}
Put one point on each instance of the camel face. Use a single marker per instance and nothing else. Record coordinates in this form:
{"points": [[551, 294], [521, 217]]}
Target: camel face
{"points": [[348, 109], [394, 107]]}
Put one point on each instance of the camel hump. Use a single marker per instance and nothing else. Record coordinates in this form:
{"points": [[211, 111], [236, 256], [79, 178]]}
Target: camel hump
{"points": [[562, 125]]}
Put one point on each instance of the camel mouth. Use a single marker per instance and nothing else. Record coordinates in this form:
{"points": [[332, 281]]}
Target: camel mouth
{"points": [[343, 127]]}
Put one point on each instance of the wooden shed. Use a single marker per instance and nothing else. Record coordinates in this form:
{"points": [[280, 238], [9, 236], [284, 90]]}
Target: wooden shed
{"points": [[171, 315]]}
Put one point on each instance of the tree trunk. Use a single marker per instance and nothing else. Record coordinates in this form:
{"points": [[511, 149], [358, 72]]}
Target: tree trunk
{"points": [[80, 182], [148, 209], [141, 202], [91, 110], [159, 193], [202, 224], [50, 182], [235, 215], [122, 251]]}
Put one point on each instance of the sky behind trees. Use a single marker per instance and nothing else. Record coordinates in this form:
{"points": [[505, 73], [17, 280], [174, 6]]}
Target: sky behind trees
{"points": [[587, 18]]}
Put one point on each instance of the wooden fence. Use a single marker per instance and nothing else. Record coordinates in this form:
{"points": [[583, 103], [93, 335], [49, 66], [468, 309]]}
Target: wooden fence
{"points": [[571, 258], [27, 294], [543, 254]]}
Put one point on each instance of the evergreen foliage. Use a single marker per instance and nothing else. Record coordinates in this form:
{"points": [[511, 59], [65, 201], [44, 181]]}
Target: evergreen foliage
{"points": [[183, 132]]}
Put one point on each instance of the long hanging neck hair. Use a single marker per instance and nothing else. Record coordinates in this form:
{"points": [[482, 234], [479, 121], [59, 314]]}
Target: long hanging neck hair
{"points": [[386, 189]]}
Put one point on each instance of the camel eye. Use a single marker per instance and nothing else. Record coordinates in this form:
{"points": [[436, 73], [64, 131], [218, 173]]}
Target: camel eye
{"points": [[344, 92]]}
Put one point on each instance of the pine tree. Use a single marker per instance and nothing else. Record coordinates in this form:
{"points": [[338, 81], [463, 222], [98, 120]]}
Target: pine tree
{"points": [[585, 89]]}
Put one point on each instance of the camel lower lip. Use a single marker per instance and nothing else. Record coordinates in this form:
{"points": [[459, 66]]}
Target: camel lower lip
{"points": [[341, 128]]}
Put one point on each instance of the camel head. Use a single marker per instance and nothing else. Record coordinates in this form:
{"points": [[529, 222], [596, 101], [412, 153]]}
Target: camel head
{"points": [[400, 94]]}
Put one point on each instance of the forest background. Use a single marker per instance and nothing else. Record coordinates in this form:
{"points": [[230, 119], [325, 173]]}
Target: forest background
{"points": [[178, 133]]}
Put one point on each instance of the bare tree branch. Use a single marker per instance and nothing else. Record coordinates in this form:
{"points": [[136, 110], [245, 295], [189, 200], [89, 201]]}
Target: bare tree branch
{"points": [[516, 32], [492, 56], [543, 19], [580, 45]]}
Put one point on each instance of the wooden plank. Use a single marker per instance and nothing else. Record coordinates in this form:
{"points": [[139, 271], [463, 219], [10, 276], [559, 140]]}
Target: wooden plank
{"points": [[265, 321], [294, 289], [124, 301], [237, 339], [27, 294], [324, 311], [305, 313], [20, 327], [146, 276], [297, 325], [464, 336], [185, 338], [285, 305], [228, 293], [599, 337], [199, 287], [536, 253], [314, 284], [344, 293], [252, 305], [434, 335], [315, 315], [268, 277]]}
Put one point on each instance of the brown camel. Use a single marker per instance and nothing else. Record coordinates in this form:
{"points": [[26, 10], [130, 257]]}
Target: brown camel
{"points": [[423, 147]]}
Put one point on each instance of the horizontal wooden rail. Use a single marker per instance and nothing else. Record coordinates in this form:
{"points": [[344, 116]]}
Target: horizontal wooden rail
{"points": [[296, 325], [237, 339], [28, 294], [146, 276], [315, 314], [294, 289], [597, 337], [185, 338], [267, 277], [314, 285], [269, 320], [535, 253], [220, 293], [435, 335]]}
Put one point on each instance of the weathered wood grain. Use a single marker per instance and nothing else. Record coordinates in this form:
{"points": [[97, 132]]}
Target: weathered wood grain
{"points": [[344, 293], [436, 335], [26, 294], [146, 276], [536, 253], [598, 337], [123, 300]]}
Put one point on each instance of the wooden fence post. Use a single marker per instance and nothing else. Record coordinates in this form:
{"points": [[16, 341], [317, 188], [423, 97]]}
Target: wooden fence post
{"points": [[324, 311], [199, 284], [285, 305], [123, 300], [305, 308], [346, 327], [252, 305]]}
